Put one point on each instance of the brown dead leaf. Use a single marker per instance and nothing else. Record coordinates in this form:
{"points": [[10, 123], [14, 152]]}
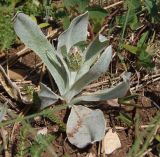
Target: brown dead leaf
{"points": [[10, 87], [42, 131], [91, 155], [113, 102], [111, 142], [16, 74]]}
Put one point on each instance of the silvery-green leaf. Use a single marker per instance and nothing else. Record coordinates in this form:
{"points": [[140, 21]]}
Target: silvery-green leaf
{"points": [[91, 53], [116, 92], [73, 75], [99, 68], [76, 32], [47, 96], [29, 32], [63, 70], [96, 46], [3, 111], [85, 126]]}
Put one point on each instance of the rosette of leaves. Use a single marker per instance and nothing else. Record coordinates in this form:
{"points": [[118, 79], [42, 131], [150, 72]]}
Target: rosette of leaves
{"points": [[71, 79]]}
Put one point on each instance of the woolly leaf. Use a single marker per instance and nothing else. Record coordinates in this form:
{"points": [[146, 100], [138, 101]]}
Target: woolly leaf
{"points": [[91, 53], [80, 129], [29, 32], [47, 96], [63, 69], [76, 32], [116, 92], [99, 68]]}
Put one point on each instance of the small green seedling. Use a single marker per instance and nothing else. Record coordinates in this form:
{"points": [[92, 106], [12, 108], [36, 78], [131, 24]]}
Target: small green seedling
{"points": [[72, 70]]}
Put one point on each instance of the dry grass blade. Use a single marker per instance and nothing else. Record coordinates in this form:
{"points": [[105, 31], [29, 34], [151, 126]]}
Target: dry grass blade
{"points": [[8, 85], [113, 5]]}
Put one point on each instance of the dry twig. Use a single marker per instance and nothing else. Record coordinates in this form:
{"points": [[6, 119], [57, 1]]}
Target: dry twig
{"points": [[113, 5]]}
